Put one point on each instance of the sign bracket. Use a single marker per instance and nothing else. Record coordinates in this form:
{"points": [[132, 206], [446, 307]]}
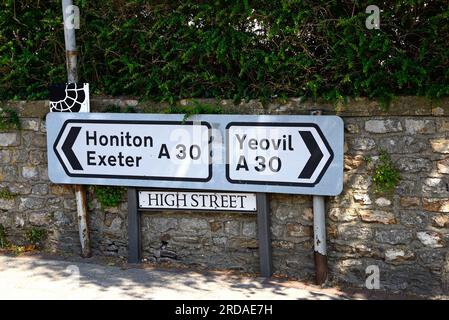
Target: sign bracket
{"points": [[134, 230], [263, 231]]}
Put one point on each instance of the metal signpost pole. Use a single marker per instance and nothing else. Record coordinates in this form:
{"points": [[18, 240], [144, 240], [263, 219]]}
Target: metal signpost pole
{"points": [[319, 239], [319, 234], [264, 235], [72, 77], [133, 227]]}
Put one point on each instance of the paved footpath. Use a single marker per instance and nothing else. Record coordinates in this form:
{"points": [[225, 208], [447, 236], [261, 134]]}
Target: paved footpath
{"points": [[31, 277]]}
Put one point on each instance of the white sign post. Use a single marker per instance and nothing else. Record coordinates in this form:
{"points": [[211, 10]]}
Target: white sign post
{"points": [[238, 153]]}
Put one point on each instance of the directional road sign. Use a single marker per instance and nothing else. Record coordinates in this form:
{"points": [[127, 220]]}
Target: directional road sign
{"points": [[295, 154], [279, 154], [134, 150]]}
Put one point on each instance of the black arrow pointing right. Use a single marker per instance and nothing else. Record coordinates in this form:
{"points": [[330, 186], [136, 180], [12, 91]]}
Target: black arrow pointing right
{"points": [[315, 155], [67, 148]]}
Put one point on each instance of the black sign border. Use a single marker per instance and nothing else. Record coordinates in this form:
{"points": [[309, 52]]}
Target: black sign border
{"points": [[80, 175], [276, 124]]}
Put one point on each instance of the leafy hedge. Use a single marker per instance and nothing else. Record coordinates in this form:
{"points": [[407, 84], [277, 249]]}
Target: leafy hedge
{"points": [[166, 50]]}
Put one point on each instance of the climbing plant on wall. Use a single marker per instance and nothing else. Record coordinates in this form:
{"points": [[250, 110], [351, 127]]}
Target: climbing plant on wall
{"points": [[167, 50]]}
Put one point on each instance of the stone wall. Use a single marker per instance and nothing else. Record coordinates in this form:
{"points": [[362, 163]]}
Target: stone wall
{"points": [[404, 233]]}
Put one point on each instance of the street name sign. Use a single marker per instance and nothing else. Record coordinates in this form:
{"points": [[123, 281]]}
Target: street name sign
{"points": [[190, 200], [238, 153]]}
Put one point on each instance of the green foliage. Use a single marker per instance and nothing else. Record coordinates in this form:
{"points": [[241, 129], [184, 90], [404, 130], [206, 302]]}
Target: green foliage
{"points": [[3, 240], [6, 194], [109, 196], [386, 176], [36, 236], [168, 50], [9, 119], [116, 109], [195, 108]]}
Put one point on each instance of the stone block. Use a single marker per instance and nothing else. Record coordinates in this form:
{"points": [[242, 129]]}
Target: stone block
{"points": [[161, 224], [9, 139], [435, 186], [362, 182], [430, 239], [354, 232], [196, 225], [413, 126], [352, 128], [362, 144], [353, 162], [398, 255], [31, 203], [383, 202], [61, 218], [342, 214], [442, 125], [377, 216], [7, 204], [298, 230], [441, 221], [410, 202], [440, 145], [362, 198], [413, 165], [39, 218], [394, 236], [249, 229], [40, 189], [5, 156], [403, 144], [59, 190], [443, 166], [413, 218], [8, 173], [30, 124], [436, 204], [383, 126], [30, 172], [232, 227], [215, 226]]}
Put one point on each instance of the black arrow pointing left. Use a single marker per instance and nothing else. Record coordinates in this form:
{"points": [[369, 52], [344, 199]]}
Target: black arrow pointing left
{"points": [[67, 148]]}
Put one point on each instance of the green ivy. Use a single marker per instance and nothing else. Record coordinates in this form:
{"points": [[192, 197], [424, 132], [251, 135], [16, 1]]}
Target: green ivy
{"points": [[9, 119], [171, 50], [3, 240], [36, 236], [116, 109], [386, 176], [109, 196], [194, 108], [6, 194]]}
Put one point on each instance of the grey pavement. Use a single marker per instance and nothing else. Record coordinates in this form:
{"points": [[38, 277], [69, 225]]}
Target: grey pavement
{"points": [[31, 277]]}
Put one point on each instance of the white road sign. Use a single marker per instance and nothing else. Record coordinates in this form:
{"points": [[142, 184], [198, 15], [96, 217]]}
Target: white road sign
{"points": [[238, 153], [211, 201], [279, 154], [134, 149]]}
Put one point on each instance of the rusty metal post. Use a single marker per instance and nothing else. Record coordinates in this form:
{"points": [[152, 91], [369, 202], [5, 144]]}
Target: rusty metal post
{"points": [[72, 77], [319, 233], [70, 42], [319, 239]]}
